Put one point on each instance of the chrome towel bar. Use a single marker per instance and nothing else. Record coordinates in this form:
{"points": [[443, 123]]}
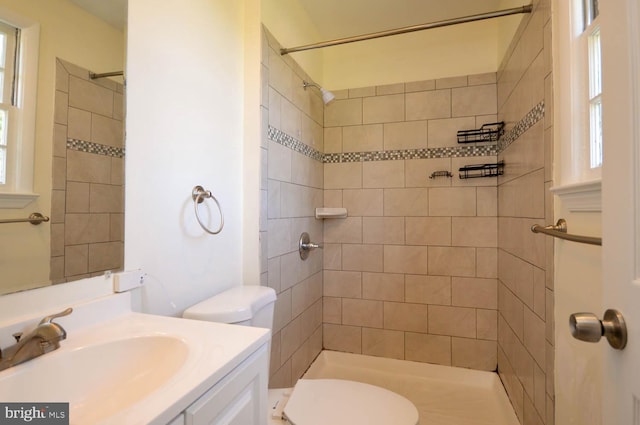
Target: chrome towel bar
{"points": [[35, 219], [559, 230]]}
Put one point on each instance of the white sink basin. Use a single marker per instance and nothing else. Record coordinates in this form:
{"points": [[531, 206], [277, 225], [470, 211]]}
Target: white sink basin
{"points": [[98, 380], [126, 368]]}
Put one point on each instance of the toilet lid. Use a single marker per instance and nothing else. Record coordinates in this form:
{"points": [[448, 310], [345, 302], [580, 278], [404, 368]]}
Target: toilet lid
{"points": [[340, 402]]}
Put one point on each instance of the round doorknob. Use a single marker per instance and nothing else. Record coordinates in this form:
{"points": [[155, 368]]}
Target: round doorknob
{"points": [[587, 327]]}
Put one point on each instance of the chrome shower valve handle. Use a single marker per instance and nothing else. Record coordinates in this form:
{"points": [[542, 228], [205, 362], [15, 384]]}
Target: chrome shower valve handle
{"points": [[305, 245]]}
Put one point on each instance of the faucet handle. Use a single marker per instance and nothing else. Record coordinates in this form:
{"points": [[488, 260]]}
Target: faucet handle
{"points": [[48, 319]]}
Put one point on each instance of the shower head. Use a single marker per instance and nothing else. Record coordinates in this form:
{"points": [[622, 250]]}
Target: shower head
{"points": [[327, 96]]}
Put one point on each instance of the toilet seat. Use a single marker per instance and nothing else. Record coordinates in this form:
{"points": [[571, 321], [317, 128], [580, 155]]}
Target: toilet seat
{"points": [[341, 402]]}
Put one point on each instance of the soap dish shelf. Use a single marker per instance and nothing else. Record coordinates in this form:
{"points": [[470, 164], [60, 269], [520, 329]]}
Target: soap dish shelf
{"points": [[443, 173], [322, 213], [482, 170]]}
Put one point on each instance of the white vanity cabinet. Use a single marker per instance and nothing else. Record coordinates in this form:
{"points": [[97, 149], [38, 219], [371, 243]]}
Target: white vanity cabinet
{"points": [[240, 398]]}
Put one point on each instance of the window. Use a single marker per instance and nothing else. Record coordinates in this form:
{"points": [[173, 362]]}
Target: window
{"points": [[8, 96], [590, 12], [577, 85], [19, 51], [590, 92], [595, 100], [592, 32]]}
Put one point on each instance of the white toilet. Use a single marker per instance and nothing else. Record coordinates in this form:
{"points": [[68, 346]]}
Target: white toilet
{"points": [[311, 401]]}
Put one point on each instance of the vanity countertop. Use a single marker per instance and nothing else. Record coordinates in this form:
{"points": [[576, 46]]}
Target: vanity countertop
{"points": [[130, 368]]}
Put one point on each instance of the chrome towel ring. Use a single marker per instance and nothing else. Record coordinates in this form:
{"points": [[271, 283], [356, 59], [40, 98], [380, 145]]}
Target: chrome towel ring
{"points": [[198, 194]]}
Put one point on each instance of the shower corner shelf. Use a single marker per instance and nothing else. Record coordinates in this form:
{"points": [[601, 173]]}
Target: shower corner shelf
{"points": [[482, 170], [489, 132], [322, 213]]}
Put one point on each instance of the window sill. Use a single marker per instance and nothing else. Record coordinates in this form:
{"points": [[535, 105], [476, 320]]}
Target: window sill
{"points": [[16, 200], [581, 197]]}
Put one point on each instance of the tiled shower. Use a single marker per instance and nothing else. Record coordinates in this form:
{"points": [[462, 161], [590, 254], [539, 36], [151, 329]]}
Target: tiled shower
{"points": [[440, 270], [87, 214], [411, 273]]}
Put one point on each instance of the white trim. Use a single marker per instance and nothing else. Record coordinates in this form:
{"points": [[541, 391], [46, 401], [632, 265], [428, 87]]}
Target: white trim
{"points": [[634, 59], [25, 125], [16, 200], [571, 88], [580, 197]]}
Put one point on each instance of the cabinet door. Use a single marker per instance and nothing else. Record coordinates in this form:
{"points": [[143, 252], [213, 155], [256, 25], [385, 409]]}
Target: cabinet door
{"points": [[240, 398]]}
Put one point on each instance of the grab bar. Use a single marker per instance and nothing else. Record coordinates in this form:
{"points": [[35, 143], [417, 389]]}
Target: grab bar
{"points": [[559, 230], [34, 218]]}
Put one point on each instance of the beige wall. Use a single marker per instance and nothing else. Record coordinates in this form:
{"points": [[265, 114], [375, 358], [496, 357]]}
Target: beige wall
{"points": [[411, 273], [507, 27], [198, 140], [457, 50], [438, 53], [251, 154], [68, 32], [87, 215], [290, 23], [525, 259], [291, 189]]}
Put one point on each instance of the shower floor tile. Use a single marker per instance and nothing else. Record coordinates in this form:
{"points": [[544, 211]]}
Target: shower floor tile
{"points": [[443, 395]]}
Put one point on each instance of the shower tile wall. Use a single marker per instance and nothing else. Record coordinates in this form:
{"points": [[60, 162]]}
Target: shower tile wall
{"points": [[435, 270], [525, 271], [412, 272], [87, 211], [291, 189]]}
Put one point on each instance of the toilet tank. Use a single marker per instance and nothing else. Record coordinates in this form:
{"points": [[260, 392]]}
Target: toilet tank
{"points": [[241, 305]]}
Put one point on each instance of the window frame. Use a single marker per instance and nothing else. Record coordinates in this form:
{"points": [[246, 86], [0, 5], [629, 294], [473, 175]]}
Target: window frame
{"points": [[19, 190], [584, 25], [575, 182], [595, 96], [8, 98]]}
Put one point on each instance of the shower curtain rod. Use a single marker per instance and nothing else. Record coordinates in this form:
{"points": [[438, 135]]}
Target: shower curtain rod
{"points": [[505, 12]]}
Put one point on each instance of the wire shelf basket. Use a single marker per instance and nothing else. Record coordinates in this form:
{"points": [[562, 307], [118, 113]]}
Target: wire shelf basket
{"points": [[489, 132], [482, 170]]}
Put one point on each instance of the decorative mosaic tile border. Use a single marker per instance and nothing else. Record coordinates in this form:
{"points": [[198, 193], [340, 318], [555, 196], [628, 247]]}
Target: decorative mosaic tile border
{"points": [[461, 151], [528, 121], [96, 148], [284, 139]]}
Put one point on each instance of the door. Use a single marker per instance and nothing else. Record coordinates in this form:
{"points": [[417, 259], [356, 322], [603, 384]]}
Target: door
{"points": [[620, 21]]}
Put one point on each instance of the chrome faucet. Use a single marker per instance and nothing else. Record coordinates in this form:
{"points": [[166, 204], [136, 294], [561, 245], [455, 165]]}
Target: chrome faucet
{"points": [[44, 338]]}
